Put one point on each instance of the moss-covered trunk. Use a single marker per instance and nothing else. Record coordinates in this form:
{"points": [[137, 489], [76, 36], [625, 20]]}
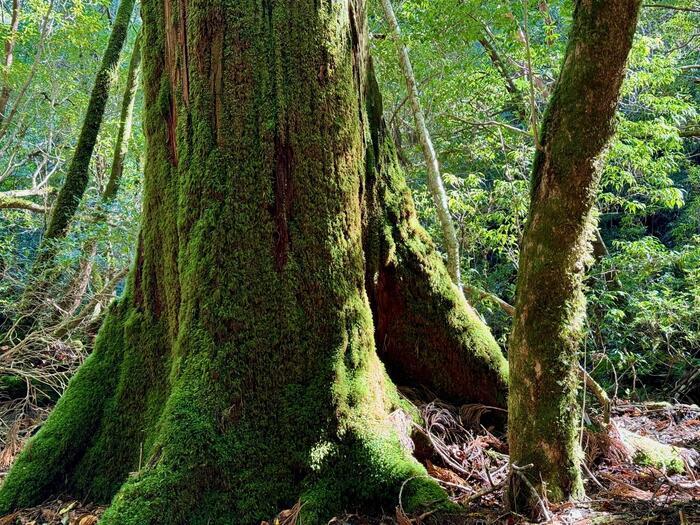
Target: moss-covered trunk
{"points": [[550, 308], [75, 291], [238, 374], [77, 176]]}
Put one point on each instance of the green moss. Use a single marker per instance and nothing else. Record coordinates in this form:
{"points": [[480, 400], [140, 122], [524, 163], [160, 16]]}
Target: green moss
{"points": [[652, 453], [14, 387], [125, 123]]}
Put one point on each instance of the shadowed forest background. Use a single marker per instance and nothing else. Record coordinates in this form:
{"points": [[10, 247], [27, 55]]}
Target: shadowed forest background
{"points": [[485, 74]]}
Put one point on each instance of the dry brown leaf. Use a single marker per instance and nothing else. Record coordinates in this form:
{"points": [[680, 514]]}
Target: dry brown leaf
{"points": [[289, 516], [444, 474], [13, 445], [623, 490], [48, 514], [662, 425], [88, 520], [401, 517]]}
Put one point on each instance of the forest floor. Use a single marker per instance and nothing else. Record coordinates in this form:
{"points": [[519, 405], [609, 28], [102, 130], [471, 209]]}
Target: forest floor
{"points": [[471, 462]]}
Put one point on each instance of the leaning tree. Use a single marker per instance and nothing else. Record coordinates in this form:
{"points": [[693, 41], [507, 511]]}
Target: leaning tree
{"points": [[543, 420], [77, 177], [279, 258]]}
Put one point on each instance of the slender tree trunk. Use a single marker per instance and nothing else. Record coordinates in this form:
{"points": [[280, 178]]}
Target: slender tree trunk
{"points": [[437, 189], [126, 120], [239, 374], [77, 176], [9, 59], [77, 287], [550, 307], [519, 104], [76, 180]]}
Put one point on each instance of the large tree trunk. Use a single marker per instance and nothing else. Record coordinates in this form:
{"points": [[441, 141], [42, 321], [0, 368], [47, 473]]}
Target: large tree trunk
{"points": [[238, 374], [543, 419]]}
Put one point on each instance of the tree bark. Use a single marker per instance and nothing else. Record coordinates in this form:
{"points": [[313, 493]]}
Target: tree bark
{"points": [[550, 307], [425, 331], [437, 189], [238, 374]]}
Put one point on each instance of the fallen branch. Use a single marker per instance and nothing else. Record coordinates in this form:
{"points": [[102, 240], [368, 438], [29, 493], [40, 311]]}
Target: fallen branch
{"points": [[485, 492], [518, 471], [599, 393], [482, 294], [16, 203]]}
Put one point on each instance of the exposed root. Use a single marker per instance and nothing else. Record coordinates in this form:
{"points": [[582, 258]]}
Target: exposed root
{"points": [[471, 464], [35, 370]]}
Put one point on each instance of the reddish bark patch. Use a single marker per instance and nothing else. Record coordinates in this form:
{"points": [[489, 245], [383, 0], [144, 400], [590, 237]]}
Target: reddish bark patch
{"points": [[177, 62], [418, 349]]}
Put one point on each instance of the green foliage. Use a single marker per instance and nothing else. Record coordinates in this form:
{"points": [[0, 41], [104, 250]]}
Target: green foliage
{"points": [[39, 141], [484, 140], [649, 330]]}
